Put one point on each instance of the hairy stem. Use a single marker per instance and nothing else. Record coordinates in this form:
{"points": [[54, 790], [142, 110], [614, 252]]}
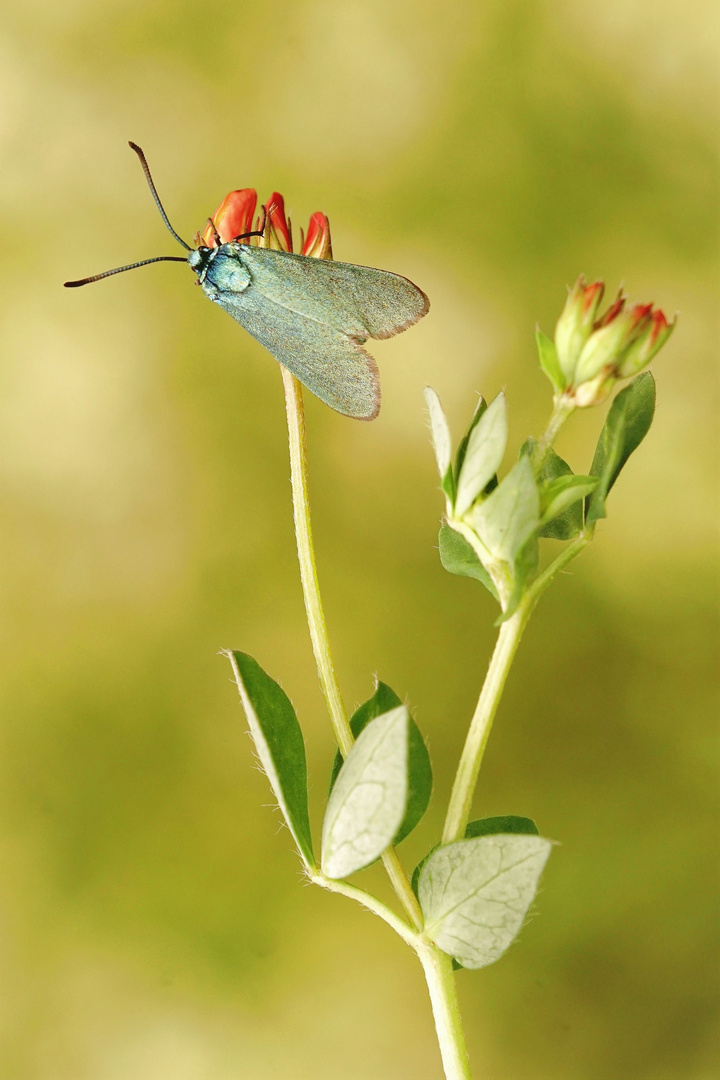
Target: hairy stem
{"points": [[440, 979], [316, 615], [471, 758]]}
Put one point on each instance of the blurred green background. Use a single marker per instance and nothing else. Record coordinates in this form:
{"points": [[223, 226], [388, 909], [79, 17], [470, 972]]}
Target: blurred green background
{"points": [[155, 926]]}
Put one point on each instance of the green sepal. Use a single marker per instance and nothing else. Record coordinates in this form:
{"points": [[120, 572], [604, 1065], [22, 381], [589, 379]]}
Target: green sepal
{"points": [[475, 893], [279, 744], [420, 776], [547, 354], [368, 802], [627, 424], [459, 557]]}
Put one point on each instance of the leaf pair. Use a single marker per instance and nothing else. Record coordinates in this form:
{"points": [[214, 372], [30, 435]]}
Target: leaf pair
{"points": [[475, 893], [377, 796]]}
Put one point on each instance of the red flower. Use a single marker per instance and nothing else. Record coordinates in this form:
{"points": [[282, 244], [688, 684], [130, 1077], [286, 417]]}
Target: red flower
{"points": [[317, 243], [233, 217]]}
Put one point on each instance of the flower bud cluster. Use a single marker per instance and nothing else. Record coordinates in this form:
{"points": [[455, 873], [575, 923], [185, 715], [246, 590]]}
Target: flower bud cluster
{"points": [[594, 351], [233, 220]]}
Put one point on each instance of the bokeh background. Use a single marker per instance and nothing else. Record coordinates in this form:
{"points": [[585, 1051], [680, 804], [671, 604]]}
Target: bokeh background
{"points": [[154, 922]]}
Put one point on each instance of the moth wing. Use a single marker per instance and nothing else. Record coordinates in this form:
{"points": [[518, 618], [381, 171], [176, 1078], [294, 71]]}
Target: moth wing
{"points": [[357, 300], [331, 364]]}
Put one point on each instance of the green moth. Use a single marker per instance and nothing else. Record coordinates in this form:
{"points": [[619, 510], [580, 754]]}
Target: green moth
{"points": [[311, 313]]}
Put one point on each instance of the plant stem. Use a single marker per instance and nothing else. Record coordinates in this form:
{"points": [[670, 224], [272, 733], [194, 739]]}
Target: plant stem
{"points": [[562, 409], [466, 777], [440, 979], [306, 557], [506, 646], [370, 902], [316, 616]]}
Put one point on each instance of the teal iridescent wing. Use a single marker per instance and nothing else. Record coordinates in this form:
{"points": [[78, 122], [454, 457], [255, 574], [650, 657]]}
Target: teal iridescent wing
{"points": [[313, 315]]}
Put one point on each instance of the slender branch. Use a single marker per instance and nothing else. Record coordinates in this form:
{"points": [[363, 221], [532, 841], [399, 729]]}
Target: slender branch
{"points": [[466, 777], [306, 557], [316, 616], [542, 581], [506, 646], [370, 902]]}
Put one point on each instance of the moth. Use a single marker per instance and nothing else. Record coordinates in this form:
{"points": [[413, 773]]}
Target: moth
{"points": [[313, 315]]}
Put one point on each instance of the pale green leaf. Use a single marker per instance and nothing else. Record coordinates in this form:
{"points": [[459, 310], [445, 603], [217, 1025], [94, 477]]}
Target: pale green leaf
{"points": [[367, 804], [442, 443], [484, 454], [420, 778], [279, 743], [475, 894], [506, 520], [480, 408]]}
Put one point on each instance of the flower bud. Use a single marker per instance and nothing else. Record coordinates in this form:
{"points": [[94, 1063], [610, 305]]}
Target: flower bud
{"points": [[277, 234], [644, 348], [608, 344], [317, 243], [576, 323], [232, 218]]}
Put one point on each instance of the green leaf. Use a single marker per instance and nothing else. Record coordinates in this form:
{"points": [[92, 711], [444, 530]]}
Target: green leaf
{"points": [[507, 823], [475, 894], [627, 424], [368, 802], [279, 743], [462, 448], [442, 444], [506, 520], [569, 523], [549, 362], [458, 557], [420, 778], [483, 455], [557, 496]]}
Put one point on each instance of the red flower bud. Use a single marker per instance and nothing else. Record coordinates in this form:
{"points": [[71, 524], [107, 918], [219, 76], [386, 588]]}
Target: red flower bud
{"points": [[277, 233], [233, 217], [317, 243], [576, 323]]}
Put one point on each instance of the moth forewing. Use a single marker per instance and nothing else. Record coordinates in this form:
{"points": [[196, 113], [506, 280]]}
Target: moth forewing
{"points": [[358, 300]]}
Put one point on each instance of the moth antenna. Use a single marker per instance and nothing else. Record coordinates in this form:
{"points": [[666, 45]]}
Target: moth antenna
{"points": [[122, 269], [156, 197]]}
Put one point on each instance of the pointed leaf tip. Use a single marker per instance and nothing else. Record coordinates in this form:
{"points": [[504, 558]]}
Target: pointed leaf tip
{"points": [[279, 743]]}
